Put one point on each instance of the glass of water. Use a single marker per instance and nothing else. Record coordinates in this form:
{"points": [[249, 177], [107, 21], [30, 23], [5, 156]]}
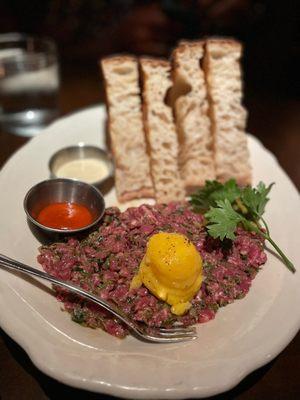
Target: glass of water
{"points": [[29, 83]]}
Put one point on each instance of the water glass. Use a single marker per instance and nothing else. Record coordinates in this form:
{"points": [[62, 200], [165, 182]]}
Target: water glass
{"points": [[29, 83]]}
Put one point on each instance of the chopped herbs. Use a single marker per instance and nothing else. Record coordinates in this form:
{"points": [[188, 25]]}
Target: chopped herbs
{"points": [[106, 263], [78, 315], [208, 266]]}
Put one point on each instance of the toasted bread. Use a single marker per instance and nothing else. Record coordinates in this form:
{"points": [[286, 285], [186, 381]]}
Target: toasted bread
{"points": [[228, 116], [189, 98], [125, 126], [161, 130]]}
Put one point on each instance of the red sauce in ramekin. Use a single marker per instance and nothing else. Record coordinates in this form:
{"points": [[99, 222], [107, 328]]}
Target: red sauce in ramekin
{"points": [[65, 216]]}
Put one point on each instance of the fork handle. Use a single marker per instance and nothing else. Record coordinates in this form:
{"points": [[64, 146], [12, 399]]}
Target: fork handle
{"points": [[26, 269]]}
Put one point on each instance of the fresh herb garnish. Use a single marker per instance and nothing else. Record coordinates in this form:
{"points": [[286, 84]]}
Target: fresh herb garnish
{"points": [[213, 191], [222, 220], [227, 205]]}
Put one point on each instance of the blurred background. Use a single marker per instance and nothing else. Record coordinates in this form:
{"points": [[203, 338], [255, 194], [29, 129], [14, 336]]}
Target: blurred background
{"points": [[85, 30]]}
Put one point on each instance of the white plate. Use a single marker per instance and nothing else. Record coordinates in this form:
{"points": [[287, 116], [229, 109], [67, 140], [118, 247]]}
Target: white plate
{"points": [[243, 336]]}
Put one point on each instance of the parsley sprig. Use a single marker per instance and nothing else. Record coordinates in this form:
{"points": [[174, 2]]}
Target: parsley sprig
{"points": [[225, 206]]}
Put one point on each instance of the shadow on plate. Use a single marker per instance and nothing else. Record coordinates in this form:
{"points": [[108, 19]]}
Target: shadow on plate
{"points": [[32, 281], [106, 186]]}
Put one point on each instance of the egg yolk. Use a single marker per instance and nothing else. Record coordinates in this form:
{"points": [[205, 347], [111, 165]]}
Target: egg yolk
{"points": [[171, 269]]}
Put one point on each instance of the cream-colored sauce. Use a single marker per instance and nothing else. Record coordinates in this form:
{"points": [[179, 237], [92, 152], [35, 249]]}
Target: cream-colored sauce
{"points": [[89, 170]]}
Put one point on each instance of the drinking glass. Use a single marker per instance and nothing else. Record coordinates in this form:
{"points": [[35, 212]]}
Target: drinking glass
{"points": [[29, 83]]}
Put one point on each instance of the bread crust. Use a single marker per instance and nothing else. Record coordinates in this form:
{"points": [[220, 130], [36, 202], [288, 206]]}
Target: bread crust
{"points": [[228, 116], [221, 41]]}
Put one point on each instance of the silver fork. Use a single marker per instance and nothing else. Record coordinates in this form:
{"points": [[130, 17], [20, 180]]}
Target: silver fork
{"points": [[157, 335]]}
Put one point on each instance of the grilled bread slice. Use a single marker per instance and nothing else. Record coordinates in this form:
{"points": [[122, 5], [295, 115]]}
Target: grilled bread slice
{"points": [[125, 126], [228, 116], [161, 130], [189, 99]]}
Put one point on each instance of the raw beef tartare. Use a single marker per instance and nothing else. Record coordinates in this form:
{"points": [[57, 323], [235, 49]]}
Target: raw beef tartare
{"points": [[107, 260]]}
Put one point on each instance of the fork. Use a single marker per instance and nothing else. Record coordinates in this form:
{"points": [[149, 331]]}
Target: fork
{"points": [[157, 335]]}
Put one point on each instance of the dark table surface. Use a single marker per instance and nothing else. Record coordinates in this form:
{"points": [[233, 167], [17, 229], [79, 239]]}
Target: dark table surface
{"points": [[275, 120]]}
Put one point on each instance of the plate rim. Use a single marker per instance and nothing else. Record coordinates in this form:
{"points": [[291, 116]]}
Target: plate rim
{"points": [[121, 391]]}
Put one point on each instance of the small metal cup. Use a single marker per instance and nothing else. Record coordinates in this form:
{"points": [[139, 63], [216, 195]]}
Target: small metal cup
{"points": [[63, 190], [81, 151]]}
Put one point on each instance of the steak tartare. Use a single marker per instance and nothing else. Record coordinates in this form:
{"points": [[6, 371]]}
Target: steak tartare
{"points": [[106, 261]]}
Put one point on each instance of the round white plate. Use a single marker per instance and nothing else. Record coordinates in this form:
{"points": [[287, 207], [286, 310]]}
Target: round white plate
{"points": [[244, 335]]}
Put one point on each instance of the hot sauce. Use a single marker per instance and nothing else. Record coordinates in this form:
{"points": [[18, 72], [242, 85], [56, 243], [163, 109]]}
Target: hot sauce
{"points": [[65, 216]]}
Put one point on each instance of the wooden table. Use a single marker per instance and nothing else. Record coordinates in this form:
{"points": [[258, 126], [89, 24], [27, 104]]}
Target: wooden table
{"points": [[275, 121]]}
